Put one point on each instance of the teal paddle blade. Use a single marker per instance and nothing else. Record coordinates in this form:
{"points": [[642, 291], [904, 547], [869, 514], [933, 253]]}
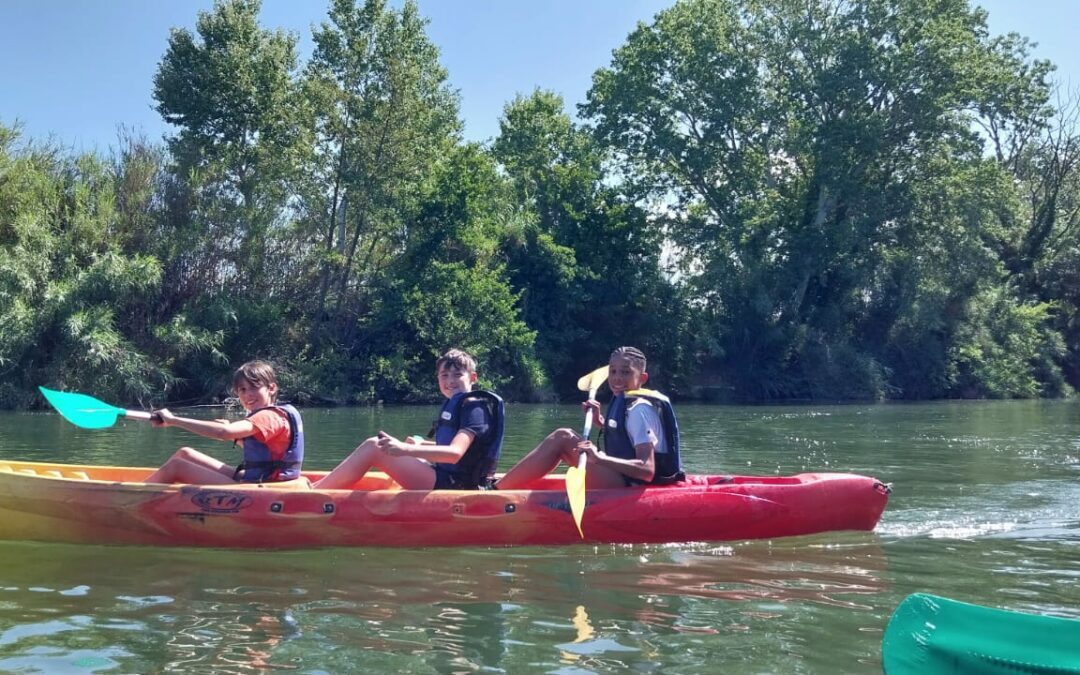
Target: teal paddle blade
{"points": [[82, 410], [930, 635]]}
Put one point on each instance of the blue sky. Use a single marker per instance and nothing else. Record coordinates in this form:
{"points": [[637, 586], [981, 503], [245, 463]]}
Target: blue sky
{"points": [[76, 69]]}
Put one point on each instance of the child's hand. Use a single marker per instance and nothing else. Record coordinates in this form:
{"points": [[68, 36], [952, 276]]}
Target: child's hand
{"points": [[390, 445], [162, 418], [589, 449], [594, 406]]}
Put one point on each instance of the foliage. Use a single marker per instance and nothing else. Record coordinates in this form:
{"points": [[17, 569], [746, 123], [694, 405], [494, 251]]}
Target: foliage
{"points": [[77, 310], [799, 144], [1001, 353], [588, 261], [775, 199], [384, 118]]}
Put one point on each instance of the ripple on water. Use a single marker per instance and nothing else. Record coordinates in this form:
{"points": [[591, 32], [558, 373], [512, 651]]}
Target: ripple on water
{"points": [[52, 660], [986, 509]]}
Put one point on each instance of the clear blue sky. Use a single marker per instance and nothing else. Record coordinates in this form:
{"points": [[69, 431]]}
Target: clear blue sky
{"points": [[76, 69]]}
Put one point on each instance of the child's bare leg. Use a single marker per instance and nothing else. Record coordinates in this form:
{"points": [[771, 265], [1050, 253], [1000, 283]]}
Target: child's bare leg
{"points": [[191, 466], [352, 468], [557, 447], [603, 478], [411, 473]]}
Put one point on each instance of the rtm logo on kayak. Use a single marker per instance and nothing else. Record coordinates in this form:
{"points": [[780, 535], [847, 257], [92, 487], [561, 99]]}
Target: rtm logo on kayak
{"points": [[216, 501]]}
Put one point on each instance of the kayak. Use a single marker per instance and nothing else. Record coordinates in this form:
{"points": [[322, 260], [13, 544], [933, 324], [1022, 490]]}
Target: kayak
{"points": [[930, 635], [109, 505]]}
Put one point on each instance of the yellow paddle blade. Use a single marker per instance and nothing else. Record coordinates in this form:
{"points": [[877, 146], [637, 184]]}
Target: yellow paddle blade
{"points": [[575, 491], [593, 380]]}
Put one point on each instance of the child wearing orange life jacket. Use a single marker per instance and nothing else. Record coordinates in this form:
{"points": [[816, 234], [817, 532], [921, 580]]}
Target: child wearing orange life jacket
{"points": [[272, 435]]}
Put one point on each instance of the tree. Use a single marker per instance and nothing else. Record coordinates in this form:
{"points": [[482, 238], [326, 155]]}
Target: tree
{"points": [[232, 93], [1037, 236], [76, 298], [587, 263], [384, 117], [799, 146]]}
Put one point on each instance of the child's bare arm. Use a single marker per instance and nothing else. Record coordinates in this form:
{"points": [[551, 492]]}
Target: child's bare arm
{"points": [[428, 450], [222, 430]]}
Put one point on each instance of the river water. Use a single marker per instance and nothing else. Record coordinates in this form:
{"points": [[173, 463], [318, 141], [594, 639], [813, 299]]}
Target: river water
{"points": [[985, 508]]}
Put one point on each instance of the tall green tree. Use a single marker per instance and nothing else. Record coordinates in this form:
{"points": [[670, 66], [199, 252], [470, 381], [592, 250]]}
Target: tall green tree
{"points": [[588, 262], [447, 287], [78, 295], [385, 116], [231, 91], [801, 146], [1037, 236]]}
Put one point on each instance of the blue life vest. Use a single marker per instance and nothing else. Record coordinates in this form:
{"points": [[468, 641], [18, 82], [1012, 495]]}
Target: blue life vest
{"points": [[617, 441], [476, 468], [260, 466]]}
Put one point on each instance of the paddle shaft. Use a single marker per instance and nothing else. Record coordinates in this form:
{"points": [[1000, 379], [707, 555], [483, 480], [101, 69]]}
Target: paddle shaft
{"points": [[583, 458]]}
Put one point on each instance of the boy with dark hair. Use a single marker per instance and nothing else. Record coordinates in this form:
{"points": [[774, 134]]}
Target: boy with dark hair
{"points": [[463, 453]]}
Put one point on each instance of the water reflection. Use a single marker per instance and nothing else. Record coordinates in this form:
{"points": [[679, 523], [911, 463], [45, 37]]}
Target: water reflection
{"points": [[220, 611]]}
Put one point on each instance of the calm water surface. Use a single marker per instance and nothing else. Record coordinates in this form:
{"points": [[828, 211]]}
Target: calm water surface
{"points": [[986, 508]]}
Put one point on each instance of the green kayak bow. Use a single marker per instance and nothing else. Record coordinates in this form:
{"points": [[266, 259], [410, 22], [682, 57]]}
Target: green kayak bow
{"points": [[930, 635]]}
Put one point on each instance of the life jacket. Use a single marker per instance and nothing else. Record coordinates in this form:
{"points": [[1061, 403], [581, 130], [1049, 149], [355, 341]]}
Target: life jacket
{"points": [[476, 468], [617, 441], [260, 465]]}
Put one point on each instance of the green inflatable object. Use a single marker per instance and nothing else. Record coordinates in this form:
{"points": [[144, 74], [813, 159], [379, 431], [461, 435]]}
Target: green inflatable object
{"points": [[930, 635], [86, 411]]}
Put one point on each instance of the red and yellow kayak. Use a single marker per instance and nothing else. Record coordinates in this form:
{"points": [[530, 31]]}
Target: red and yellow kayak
{"points": [[109, 505]]}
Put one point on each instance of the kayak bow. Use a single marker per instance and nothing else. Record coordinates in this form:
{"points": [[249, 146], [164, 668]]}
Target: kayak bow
{"points": [[929, 635]]}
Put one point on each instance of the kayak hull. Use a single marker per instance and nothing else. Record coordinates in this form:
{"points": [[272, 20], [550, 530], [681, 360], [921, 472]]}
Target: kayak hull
{"points": [[931, 635], [108, 505]]}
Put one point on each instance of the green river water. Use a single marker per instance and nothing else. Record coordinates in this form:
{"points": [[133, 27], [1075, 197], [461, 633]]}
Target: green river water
{"points": [[985, 508]]}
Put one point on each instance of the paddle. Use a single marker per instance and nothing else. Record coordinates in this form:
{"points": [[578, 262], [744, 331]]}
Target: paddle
{"points": [[575, 475], [88, 412], [929, 634]]}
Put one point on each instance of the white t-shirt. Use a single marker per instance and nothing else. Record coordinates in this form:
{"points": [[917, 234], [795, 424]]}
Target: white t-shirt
{"points": [[644, 426]]}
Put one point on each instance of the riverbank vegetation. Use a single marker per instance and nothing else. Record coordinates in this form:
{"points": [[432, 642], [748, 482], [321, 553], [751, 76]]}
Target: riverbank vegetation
{"points": [[776, 200]]}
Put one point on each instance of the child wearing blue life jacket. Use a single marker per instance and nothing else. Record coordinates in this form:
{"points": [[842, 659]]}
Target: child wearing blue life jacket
{"points": [[272, 435], [461, 456], [641, 436]]}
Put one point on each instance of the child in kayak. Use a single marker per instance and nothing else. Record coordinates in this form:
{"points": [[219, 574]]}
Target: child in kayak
{"points": [[272, 435], [461, 456], [641, 437]]}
